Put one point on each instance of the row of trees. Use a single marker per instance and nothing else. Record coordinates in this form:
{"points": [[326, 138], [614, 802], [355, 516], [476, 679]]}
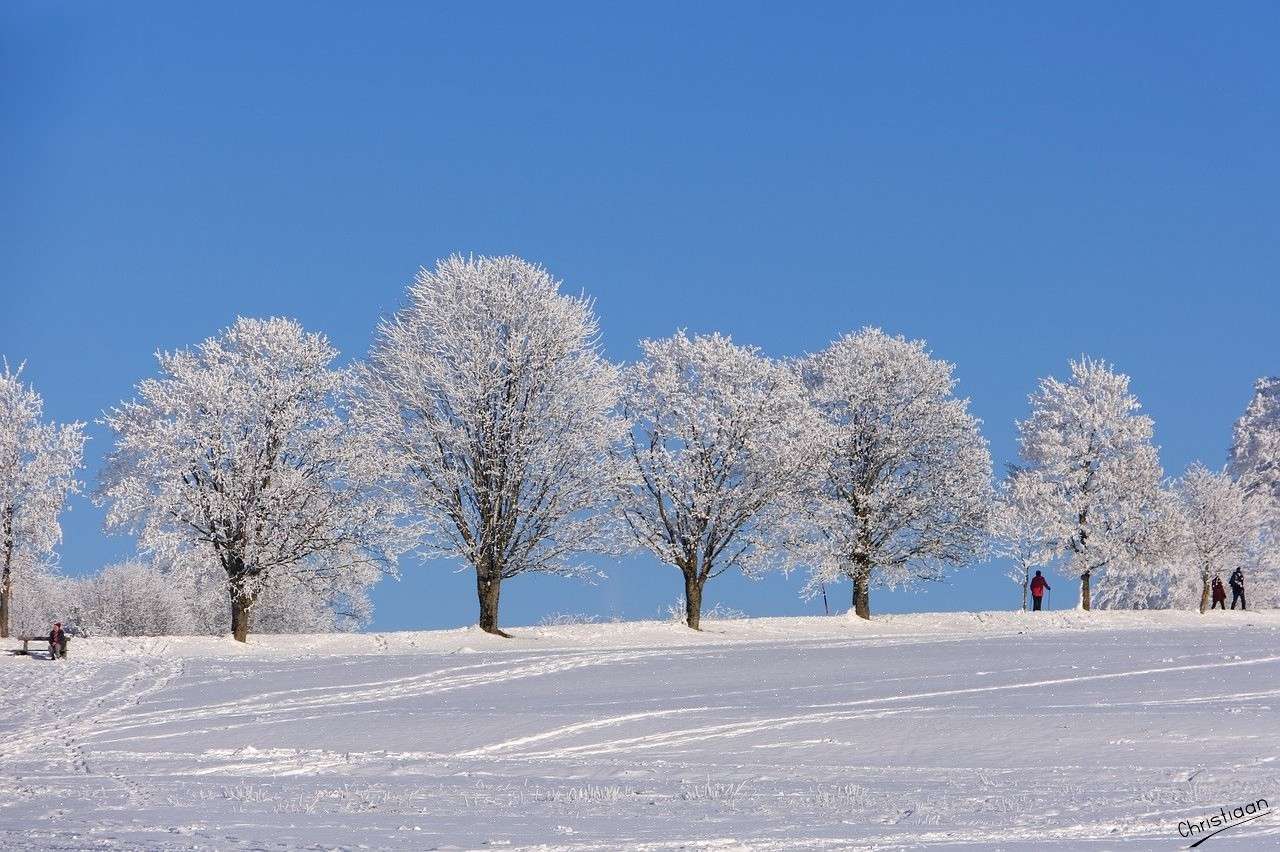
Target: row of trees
{"points": [[1089, 495], [486, 427]]}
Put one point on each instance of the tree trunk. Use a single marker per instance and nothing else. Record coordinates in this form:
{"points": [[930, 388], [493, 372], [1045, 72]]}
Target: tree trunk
{"points": [[1082, 553], [6, 577], [1026, 581], [692, 600], [241, 609], [487, 589], [6, 602], [862, 592], [1204, 592]]}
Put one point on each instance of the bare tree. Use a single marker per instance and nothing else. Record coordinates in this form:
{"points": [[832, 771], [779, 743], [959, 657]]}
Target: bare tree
{"points": [[489, 393]]}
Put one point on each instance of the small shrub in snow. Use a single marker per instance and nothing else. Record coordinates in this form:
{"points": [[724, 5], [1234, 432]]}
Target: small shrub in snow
{"points": [[845, 797], [564, 619], [591, 794], [722, 612], [711, 791], [676, 612]]}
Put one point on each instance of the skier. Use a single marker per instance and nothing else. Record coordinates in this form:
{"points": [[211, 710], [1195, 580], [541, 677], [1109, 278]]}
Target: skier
{"points": [[1038, 587], [1219, 594], [57, 642], [1237, 588]]}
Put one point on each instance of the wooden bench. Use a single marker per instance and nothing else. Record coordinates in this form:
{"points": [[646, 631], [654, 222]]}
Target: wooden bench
{"points": [[26, 643]]}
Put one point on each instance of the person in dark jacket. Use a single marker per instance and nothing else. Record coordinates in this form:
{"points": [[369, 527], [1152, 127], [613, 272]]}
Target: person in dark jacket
{"points": [[1219, 593], [1038, 587], [1237, 588], [57, 642]]}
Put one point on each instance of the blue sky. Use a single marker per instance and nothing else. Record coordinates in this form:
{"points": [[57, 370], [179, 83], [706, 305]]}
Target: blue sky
{"points": [[1015, 183]]}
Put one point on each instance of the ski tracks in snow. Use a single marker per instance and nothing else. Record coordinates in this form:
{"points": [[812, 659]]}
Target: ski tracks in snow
{"points": [[542, 735], [58, 713], [285, 705], [816, 714]]}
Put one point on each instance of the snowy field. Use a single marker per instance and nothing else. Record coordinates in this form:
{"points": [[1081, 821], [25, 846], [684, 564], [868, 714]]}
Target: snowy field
{"points": [[984, 731]]}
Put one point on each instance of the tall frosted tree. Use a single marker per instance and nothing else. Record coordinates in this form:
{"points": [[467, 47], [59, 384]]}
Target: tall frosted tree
{"points": [[1223, 525], [1154, 576], [239, 451], [38, 465], [1021, 528], [1255, 442], [488, 391], [722, 439], [903, 487], [1093, 456]]}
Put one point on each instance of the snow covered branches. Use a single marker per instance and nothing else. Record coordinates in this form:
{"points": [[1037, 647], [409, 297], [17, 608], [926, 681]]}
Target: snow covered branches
{"points": [[1255, 442], [38, 465], [1091, 456], [722, 440], [903, 485], [1223, 525], [239, 449], [486, 428], [1023, 527], [489, 394]]}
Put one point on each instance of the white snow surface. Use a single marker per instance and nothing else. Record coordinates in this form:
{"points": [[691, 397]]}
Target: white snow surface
{"points": [[987, 730]]}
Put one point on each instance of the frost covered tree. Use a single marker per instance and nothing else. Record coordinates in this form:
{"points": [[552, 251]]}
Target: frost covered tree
{"points": [[286, 602], [239, 451], [488, 391], [44, 596], [721, 440], [1223, 525], [1255, 442], [903, 486], [1021, 528], [38, 465], [1092, 455], [147, 598], [132, 599], [1153, 577]]}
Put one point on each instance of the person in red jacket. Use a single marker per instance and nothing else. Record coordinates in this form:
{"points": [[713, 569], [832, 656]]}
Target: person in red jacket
{"points": [[1219, 594], [1038, 586], [57, 642]]}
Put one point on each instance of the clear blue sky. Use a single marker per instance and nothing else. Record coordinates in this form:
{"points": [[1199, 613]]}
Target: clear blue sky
{"points": [[1015, 184]]}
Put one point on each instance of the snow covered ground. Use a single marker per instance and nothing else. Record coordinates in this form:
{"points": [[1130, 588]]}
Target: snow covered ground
{"points": [[987, 731]]}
